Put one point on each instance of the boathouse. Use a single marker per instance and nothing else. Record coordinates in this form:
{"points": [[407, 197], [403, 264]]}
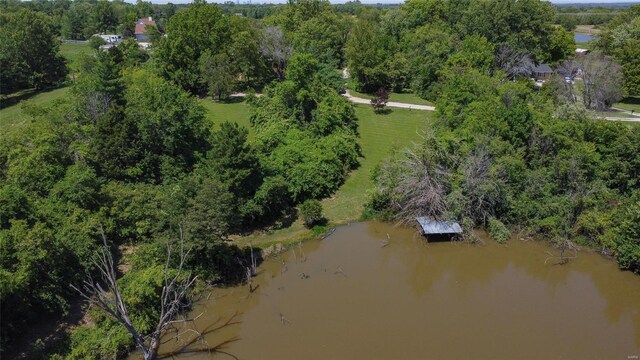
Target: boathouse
{"points": [[428, 226]]}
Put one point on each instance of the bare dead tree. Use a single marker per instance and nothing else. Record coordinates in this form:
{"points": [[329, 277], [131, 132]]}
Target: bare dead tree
{"points": [[481, 188], [274, 47], [568, 251], [514, 63], [421, 189], [602, 82], [97, 104], [106, 295]]}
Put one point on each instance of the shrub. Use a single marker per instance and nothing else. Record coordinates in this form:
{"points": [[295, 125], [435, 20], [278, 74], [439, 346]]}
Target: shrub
{"points": [[96, 41], [498, 231], [311, 212]]}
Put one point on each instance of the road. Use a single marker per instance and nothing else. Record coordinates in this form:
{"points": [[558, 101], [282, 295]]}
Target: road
{"points": [[359, 100]]}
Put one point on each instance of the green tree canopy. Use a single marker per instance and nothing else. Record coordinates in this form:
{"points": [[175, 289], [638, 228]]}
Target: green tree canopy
{"points": [[29, 51]]}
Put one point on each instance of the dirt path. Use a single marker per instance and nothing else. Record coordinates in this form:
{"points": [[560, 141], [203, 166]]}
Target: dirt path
{"points": [[359, 100]]}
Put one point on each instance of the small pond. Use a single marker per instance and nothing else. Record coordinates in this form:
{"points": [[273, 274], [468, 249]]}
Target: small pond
{"points": [[375, 291], [582, 38]]}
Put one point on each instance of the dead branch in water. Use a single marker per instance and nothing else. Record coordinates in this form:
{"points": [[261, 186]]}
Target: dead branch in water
{"points": [[184, 346], [284, 320], [566, 246], [302, 254], [339, 271]]}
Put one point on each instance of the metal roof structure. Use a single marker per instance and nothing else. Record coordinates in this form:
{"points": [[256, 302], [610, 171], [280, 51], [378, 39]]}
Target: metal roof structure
{"points": [[432, 227]]}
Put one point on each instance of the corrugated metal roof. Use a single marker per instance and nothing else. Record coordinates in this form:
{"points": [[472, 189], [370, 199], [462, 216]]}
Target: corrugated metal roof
{"points": [[430, 226]]}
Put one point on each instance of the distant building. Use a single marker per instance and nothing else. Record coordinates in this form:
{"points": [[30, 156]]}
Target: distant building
{"points": [[141, 28], [542, 72]]}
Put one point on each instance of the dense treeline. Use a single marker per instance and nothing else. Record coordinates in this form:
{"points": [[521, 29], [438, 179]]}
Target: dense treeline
{"points": [[505, 153], [570, 15], [621, 40], [407, 47]]}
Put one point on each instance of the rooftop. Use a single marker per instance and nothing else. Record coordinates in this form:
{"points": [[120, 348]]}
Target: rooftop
{"points": [[430, 226], [542, 68], [141, 25]]}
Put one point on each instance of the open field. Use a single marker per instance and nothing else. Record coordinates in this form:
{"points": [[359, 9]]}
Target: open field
{"points": [[13, 116], [587, 29], [73, 53], [379, 134], [218, 112]]}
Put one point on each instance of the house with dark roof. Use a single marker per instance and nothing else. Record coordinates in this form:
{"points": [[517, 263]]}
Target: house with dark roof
{"points": [[141, 28], [542, 72]]}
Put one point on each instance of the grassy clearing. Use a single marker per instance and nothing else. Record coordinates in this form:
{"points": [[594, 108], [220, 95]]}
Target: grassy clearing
{"points": [[379, 134], [73, 52], [588, 29], [13, 117], [630, 103], [218, 112], [397, 97]]}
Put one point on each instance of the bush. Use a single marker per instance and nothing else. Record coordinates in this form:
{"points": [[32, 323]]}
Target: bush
{"points": [[96, 41], [498, 231], [311, 212]]}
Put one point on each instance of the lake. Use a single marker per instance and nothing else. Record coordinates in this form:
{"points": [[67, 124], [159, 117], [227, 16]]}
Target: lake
{"points": [[375, 291]]}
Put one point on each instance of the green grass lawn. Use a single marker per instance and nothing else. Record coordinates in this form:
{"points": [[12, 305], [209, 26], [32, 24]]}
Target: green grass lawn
{"points": [[379, 134], [73, 52], [630, 103], [218, 112], [397, 97], [12, 117]]}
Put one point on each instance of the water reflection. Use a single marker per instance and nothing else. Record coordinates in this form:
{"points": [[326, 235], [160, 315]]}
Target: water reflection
{"points": [[351, 296]]}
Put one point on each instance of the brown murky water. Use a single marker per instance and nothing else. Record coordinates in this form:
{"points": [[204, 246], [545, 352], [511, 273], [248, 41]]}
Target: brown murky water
{"points": [[349, 297]]}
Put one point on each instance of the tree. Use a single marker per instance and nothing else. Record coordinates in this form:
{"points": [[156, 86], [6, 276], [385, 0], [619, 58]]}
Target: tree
{"points": [[560, 47], [29, 63], [216, 72], [104, 16], [380, 100], [475, 52], [191, 33], [144, 8], [233, 160], [367, 54], [602, 82], [107, 296], [74, 21], [311, 212], [274, 47], [427, 50], [515, 63], [629, 57]]}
